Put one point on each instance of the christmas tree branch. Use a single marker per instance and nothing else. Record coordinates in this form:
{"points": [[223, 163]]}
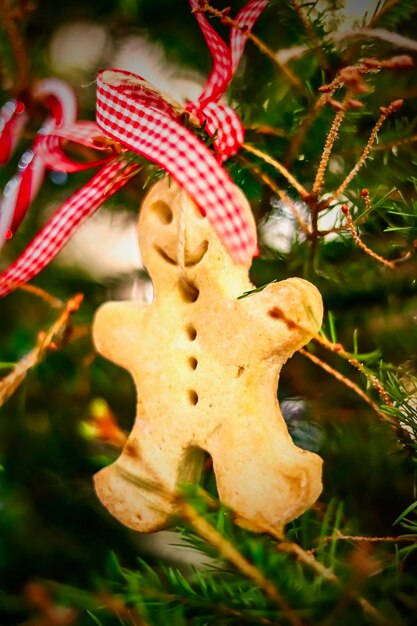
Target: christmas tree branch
{"points": [[279, 167], [385, 112], [309, 559], [330, 140], [50, 340], [17, 46], [346, 381], [53, 301], [360, 243], [311, 33], [229, 552], [373, 380]]}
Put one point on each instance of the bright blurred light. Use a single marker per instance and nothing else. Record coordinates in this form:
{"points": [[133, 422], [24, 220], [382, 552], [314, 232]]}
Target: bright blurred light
{"points": [[137, 54], [278, 230], [105, 246], [78, 47]]}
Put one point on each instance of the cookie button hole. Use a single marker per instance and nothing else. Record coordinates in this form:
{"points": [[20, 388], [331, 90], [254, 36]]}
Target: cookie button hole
{"points": [[192, 361], [191, 332], [189, 292], [192, 397]]}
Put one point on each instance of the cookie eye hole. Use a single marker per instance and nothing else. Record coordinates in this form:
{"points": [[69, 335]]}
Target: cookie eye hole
{"points": [[163, 211], [192, 361]]}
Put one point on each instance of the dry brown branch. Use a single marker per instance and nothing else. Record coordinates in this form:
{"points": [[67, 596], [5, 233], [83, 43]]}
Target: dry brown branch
{"points": [[330, 139], [348, 591], [385, 112], [337, 348], [309, 560], [359, 538], [397, 143], [49, 340], [360, 243], [205, 7], [281, 194], [17, 46], [367, 199], [345, 381], [279, 167], [53, 301]]}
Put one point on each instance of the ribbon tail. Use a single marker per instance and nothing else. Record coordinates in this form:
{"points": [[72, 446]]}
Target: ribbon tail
{"points": [[221, 74], [55, 234], [246, 18]]}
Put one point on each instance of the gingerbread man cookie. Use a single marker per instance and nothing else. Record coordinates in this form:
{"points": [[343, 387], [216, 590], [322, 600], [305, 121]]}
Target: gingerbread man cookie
{"points": [[206, 366]]}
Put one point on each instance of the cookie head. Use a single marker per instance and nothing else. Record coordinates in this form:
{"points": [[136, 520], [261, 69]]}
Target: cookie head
{"points": [[173, 232]]}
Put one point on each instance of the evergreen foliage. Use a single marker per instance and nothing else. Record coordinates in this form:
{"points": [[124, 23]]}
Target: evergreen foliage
{"points": [[350, 395]]}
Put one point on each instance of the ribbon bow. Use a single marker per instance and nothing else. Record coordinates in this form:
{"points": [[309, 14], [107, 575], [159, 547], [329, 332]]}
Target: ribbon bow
{"points": [[132, 112]]}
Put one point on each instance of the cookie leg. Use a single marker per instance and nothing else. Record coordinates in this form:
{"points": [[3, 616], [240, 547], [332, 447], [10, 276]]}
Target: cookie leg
{"points": [[137, 488], [263, 476]]}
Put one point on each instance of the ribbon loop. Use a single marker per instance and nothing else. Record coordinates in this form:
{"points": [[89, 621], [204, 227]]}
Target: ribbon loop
{"points": [[135, 114]]}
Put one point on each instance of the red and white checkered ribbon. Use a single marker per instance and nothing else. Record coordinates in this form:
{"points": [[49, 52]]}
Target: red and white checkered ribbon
{"points": [[133, 113]]}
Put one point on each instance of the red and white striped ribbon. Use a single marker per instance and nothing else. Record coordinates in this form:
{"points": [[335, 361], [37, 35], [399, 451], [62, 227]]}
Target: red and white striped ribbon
{"points": [[133, 113], [12, 120], [24, 186]]}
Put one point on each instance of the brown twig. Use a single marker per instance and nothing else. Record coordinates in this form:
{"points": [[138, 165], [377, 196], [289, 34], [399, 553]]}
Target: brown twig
{"points": [[358, 538], [205, 7], [349, 592], [46, 341], [279, 167], [17, 46], [385, 112], [347, 75], [337, 348], [360, 243], [53, 301], [281, 194], [346, 381], [309, 560], [330, 139], [367, 199]]}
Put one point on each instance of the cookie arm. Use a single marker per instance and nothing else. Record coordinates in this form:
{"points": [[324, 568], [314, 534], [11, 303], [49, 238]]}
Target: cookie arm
{"points": [[117, 327], [290, 313]]}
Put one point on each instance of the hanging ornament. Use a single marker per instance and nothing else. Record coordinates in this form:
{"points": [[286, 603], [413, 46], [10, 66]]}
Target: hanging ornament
{"points": [[206, 363]]}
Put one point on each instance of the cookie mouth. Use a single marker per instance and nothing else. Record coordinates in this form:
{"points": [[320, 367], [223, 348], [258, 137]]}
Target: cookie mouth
{"points": [[191, 257]]}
